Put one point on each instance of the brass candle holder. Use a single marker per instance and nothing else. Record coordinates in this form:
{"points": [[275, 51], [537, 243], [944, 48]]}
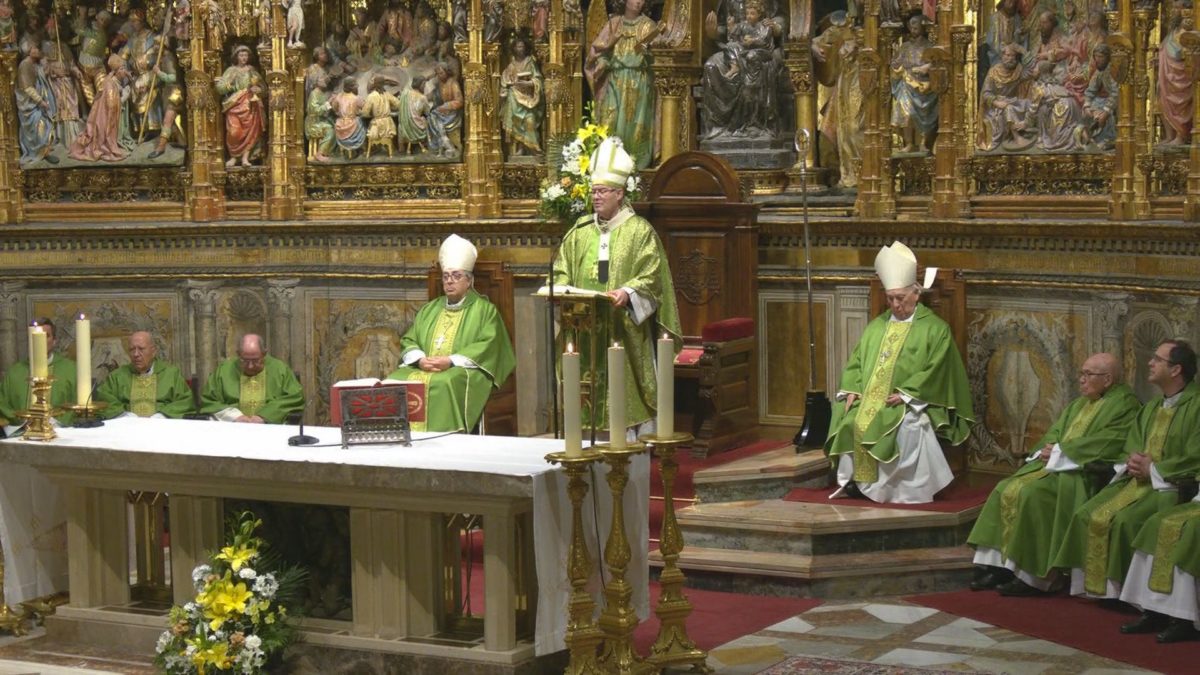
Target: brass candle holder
{"points": [[38, 427], [618, 620], [87, 414], [583, 635], [9, 620], [672, 648]]}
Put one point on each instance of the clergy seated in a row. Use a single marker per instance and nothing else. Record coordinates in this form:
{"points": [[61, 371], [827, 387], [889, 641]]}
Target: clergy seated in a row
{"points": [[14, 388], [457, 345], [1025, 517], [903, 388], [252, 387], [146, 386]]}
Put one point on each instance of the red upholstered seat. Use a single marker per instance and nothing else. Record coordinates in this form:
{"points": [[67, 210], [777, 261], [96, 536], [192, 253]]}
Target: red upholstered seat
{"points": [[728, 329]]}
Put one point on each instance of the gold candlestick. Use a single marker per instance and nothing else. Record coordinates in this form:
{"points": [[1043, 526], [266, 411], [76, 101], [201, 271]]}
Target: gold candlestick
{"points": [[9, 620], [39, 413], [672, 648], [87, 415], [583, 635], [618, 620]]}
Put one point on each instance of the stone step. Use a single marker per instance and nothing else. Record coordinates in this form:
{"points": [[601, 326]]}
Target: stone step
{"points": [[767, 475]]}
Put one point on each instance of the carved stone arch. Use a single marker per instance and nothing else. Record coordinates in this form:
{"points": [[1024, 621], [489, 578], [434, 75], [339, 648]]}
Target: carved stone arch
{"points": [[1143, 333], [239, 312]]}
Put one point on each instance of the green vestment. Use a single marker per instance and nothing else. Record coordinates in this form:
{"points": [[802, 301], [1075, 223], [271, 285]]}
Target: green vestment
{"points": [[623, 84], [173, 396], [1100, 537], [928, 368], [1173, 538], [636, 261], [455, 397], [1027, 515], [14, 390], [273, 394]]}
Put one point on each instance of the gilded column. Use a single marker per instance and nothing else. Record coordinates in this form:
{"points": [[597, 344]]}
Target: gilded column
{"points": [[1121, 203], [11, 198], [205, 196], [800, 70], [281, 294], [888, 34], [10, 294], [961, 85], [482, 151], [1191, 42], [560, 101], [678, 113], [872, 75], [281, 189], [203, 295], [1143, 23]]}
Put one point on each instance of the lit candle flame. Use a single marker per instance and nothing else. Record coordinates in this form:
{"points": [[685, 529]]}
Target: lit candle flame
{"points": [[616, 345], [82, 316], [570, 347], [665, 336]]}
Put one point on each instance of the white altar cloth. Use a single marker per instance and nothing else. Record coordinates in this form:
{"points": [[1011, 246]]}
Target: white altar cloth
{"points": [[190, 446]]}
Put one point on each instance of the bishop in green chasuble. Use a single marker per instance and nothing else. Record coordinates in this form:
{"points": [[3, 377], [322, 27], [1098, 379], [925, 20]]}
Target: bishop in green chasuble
{"points": [[146, 386], [457, 345], [1026, 516], [252, 387], [1163, 447], [903, 387], [618, 253]]}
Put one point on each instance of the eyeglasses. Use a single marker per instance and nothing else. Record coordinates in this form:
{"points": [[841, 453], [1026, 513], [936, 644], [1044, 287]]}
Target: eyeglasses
{"points": [[251, 362], [1088, 373], [602, 191], [1158, 359], [453, 276]]}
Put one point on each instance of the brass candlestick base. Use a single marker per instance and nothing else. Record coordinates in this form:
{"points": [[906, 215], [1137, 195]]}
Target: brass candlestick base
{"points": [[672, 648], [9, 620], [86, 415], [39, 413], [583, 635], [618, 620]]}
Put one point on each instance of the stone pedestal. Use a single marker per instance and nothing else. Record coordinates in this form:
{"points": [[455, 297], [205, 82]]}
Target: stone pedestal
{"points": [[753, 152]]}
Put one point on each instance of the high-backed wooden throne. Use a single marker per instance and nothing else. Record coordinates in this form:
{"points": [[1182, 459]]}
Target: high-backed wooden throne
{"points": [[494, 281], [948, 299], [711, 238]]}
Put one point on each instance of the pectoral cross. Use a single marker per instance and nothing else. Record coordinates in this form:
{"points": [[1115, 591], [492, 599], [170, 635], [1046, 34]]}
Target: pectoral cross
{"points": [[437, 344]]}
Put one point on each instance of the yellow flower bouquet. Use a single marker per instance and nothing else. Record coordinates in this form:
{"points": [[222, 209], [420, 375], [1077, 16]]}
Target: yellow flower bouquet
{"points": [[239, 619], [568, 195]]}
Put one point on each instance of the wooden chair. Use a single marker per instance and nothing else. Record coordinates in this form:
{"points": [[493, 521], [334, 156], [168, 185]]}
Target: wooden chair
{"points": [[494, 281], [948, 299], [710, 234]]}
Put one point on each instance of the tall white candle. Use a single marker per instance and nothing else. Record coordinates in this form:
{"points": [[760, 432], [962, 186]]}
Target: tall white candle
{"points": [[83, 359], [666, 386], [38, 363], [29, 354], [616, 396], [572, 426]]}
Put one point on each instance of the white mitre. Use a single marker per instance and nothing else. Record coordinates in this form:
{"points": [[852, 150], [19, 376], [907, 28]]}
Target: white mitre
{"points": [[611, 165], [457, 254], [896, 266]]}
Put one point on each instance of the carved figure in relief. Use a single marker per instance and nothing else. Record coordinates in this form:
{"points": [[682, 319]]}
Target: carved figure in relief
{"points": [[572, 16], [396, 23], [241, 85], [835, 54], [349, 131], [8, 25], [141, 53], [318, 121], [741, 83], [413, 118], [1175, 81], [379, 107], [1100, 101], [1005, 28], [65, 78], [101, 139], [1057, 93], [493, 20], [446, 116], [295, 22], [619, 68], [521, 101], [539, 19], [1004, 106], [181, 22], [459, 21], [914, 103], [360, 42], [168, 101], [263, 13], [35, 109], [93, 49], [1095, 32], [214, 24]]}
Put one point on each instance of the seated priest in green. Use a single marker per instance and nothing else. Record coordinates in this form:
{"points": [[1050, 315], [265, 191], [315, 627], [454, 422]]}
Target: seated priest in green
{"points": [[1161, 451], [904, 387], [1162, 576], [146, 386], [1026, 516], [15, 387], [457, 345], [253, 387]]}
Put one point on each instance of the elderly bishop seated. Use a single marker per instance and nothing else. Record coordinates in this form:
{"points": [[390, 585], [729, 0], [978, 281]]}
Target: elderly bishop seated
{"points": [[904, 387], [457, 345]]}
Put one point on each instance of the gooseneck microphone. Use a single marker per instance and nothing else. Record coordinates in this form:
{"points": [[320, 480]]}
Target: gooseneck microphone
{"points": [[301, 438]]}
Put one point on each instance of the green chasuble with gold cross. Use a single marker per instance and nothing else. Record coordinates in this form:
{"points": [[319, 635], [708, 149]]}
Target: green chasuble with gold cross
{"points": [[454, 398], [162, 390], [917, 358], [14, 390], [1027, 515], [272, 394], [636, 261], [1100, 537]]}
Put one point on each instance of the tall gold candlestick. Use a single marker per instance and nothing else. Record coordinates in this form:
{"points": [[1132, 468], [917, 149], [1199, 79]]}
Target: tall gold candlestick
{"points": [[583, 635], [672, 648], [39, 413]]}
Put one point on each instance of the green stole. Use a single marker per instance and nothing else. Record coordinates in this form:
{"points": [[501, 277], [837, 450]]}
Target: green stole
{"points": [[866, 467], [252, 393], [1100, 521], [143, 395], [444, 332], [1170, 530]]}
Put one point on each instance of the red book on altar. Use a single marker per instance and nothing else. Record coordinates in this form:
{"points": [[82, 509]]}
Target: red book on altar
{"points": [[377, 400]]}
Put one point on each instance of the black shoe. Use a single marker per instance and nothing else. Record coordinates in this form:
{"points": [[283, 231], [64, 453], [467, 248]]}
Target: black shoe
{"points": [[851, 490], [1180, 630], [991, 578], [1149, 622], [1016, 588]]}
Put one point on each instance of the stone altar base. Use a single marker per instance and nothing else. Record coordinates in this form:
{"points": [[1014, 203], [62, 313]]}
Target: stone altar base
{"points": [[753, 152]]}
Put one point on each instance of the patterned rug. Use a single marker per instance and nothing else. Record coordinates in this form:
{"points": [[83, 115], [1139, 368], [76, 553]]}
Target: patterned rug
{"points": [[813, 665]]}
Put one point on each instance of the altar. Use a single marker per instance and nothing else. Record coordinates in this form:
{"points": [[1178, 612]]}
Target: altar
{"points": [[398, 498]]}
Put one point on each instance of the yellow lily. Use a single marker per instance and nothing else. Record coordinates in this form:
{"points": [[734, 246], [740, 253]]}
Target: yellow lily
{"points": [[236, 557]]}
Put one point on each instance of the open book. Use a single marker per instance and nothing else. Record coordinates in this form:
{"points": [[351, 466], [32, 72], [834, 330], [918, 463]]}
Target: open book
{"points": [[565, 290], [384, 403]]}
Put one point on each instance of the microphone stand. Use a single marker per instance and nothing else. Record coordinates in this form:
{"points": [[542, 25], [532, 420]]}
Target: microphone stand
{"points": [[817, 409], [551, 348], [301, 438]]}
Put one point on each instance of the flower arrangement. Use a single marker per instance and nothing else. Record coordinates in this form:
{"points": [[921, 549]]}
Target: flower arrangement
{"points": [[239, 619], [569, 195]]}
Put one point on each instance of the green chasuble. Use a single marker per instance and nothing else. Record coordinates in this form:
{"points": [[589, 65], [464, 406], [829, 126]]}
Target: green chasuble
{"points": [[1100, 537], [927, 367], [272, 394], [454, 398], [623, 79], [1173, 538], [14, 390], [163, 390], [637, 261], [1027, 515]]}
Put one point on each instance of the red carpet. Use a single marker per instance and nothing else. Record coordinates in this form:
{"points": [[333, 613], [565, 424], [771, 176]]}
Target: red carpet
{"points": [[718, 618], [1075, 622], [958, 496]]}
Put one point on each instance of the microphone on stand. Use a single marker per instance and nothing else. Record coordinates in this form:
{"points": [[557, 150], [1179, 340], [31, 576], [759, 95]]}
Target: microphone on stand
{"points": [[89, 422], [301, 438]]}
